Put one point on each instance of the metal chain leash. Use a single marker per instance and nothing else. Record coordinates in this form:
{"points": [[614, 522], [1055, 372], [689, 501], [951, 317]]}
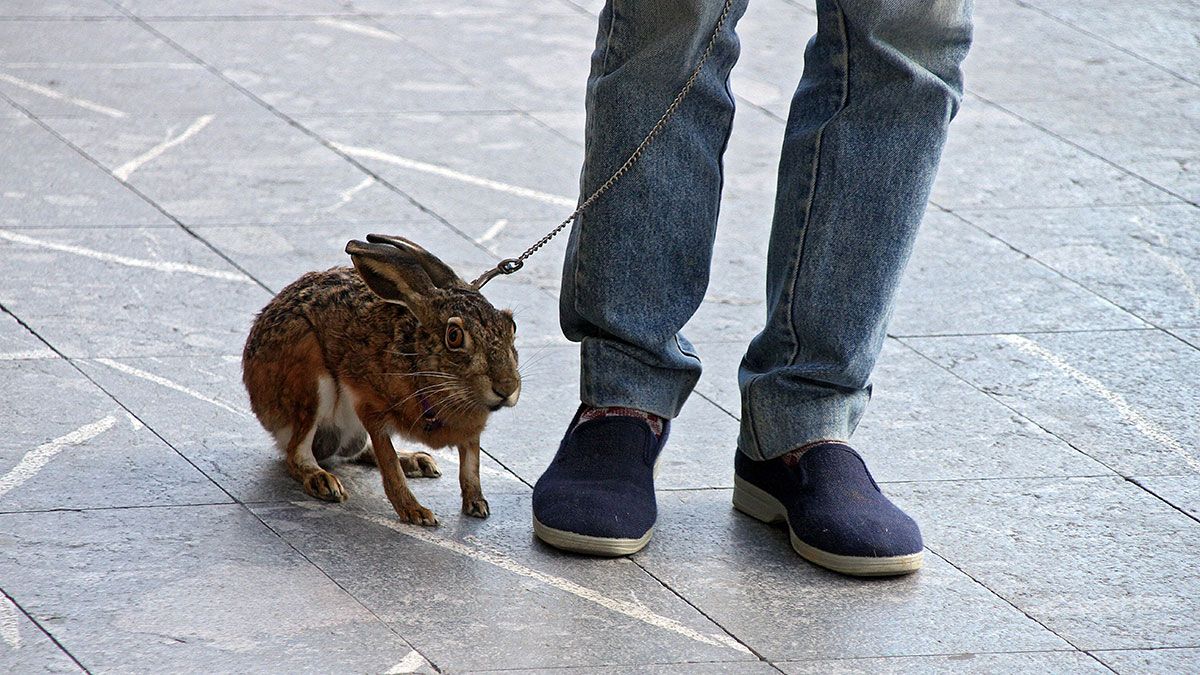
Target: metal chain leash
{"points": [[510, 265]]}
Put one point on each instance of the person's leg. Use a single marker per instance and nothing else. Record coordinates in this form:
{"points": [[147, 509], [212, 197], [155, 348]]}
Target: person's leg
{"points": [[638, 260], [637, 265], [864, 136]]}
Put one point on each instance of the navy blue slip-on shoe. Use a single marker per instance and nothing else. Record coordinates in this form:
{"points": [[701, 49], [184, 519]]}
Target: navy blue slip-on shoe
{"points": [[597, 495], [836, 515]]}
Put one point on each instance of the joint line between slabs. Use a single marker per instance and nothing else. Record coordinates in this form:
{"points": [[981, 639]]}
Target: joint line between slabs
{"points": [[6, 597]]}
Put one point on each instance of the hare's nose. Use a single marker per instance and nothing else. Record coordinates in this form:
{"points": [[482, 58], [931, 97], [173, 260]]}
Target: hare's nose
{"points": [[507, 393]]}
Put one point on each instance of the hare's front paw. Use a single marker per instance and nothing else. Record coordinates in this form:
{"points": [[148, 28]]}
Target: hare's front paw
{"points": [[476, 506], [417, 515], [418, 464], [324, 485]]}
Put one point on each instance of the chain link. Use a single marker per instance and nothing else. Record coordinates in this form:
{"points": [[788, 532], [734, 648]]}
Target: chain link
{"points": [[510, 265]]}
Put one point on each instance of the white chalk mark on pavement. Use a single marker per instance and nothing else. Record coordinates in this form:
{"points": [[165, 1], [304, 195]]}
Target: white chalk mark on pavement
{"points": [[1147, 428], [162, 381], [9, 623], [496, 228], [624, 607], [156, 265], [446, 172], [348, 195], [352, 27], [28, 354], [36, 459], [409, 664], [59, 96], [125, 170]]}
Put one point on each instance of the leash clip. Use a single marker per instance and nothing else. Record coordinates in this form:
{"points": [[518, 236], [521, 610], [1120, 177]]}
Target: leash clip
{"points": [[506, 266]]}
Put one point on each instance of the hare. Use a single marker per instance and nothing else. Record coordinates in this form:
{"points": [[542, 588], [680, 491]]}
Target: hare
{"points": [[341, 359]]}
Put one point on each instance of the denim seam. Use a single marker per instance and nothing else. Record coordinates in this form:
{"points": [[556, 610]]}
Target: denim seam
{"points": [[791, 287]]}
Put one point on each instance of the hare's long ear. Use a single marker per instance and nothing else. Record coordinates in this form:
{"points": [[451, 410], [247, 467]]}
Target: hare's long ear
{"points": [[394, 275], [439, 272]]}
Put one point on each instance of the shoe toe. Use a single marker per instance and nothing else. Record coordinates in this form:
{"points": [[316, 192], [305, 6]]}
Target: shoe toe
{"points": [[594, 509]]}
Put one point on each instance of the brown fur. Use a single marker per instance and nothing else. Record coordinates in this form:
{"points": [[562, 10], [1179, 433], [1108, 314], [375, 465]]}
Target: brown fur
{"points": [[393, 361]]}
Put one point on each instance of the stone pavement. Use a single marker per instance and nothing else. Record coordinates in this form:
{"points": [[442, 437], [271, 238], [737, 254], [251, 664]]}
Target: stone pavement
{"points": [[166, 164]]}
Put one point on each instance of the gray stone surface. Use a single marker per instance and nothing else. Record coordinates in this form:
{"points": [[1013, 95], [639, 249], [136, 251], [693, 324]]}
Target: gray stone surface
{"points": [[1001, 291], [251, 168], [1035, 410], [127, 292], [1150, 661], [440, 160], [493, 587], [52, 185], [1123, 398], [67, 445], [745, 576], [1028, 662], [1182, 492], [1144, 259], [16, 342], [1096, 560], [996, 160], [328, 65], [926, 424], [250, 598], [25, 648], [1156, 139]]}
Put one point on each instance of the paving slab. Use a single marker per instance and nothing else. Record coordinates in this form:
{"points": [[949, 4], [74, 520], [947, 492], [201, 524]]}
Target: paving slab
{"points": [[476, 594], [924, 423], [752, 667], [172, 588], [26, 648], [1156, 139], [16, 342], [126, 292], [58, 9], [1099, 561], [745, 576], [1028, 662], [199, 406], [224, 169], [1160, 31], [523, 58], [328, 65], [52, 185], [773, 34], [1001, 291], [1192, 337], [1145, 259], [1161, 661], [995, 160], [464, 167], [698, 455], [1120, 397], [232, 8], [478, 8], [105, 69], [89, 453], [1016, 44]]}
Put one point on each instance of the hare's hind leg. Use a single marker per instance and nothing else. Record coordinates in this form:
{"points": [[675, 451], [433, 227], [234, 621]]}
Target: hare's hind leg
{"points": [[298, 453]]}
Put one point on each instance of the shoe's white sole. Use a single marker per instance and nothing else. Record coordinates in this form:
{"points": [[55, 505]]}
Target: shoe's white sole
{"points": [[582, 543], [758, 503]]}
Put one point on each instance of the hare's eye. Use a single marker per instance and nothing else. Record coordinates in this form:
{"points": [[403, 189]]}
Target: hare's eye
{"points": [[454, 337]]}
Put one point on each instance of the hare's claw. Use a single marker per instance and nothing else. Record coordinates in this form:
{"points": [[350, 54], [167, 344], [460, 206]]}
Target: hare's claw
{"points": [[418, 465], [417, 515], [324, 485], [476, 506]]}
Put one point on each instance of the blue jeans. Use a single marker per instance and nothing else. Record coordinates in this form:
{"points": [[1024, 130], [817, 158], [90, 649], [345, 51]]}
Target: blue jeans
{"points": [[864, 136]]}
